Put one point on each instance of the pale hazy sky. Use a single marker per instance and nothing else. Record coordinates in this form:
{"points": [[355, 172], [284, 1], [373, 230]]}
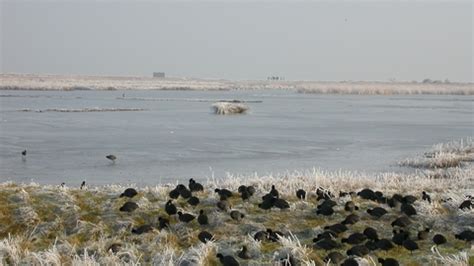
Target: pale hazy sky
{"points": [[240, 40]]}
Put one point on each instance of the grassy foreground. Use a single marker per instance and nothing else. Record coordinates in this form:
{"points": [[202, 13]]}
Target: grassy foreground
{"points": [[64, 225]]}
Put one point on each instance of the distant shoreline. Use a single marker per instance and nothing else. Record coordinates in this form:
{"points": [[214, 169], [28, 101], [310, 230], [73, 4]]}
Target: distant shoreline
{"points": [[34, 82]]}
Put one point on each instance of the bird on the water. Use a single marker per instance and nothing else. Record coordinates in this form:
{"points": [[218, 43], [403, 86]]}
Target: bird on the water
{"points": [[111, 157]]}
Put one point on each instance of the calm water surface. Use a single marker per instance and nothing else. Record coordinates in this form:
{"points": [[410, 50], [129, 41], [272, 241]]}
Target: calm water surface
{"points": [[178, 139]]}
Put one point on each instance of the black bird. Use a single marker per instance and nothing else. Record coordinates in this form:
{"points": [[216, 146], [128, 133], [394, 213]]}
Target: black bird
{"points": [[371, 233], [23, 153], [267, 203], [355, 239], [274, 235], [202, 218], [439, 239], [351, 219], [329, 203], [408, 209], [170, 208], [301, 194], [129, 192], [194, 186], [466, 235], [227, 260], [205, 236], [83, 184], [223, 205], [115, 247], [350, 262], [467, 204], [343, 194], [350, 206], [163, 223], [423, 234], [223, 193], [193, 201], [371, 245], [184, 192], [244, 193], [368, 194], [384, 244], [244, 253], [401, 221], [399, 237], [388, 262], [410, 245], [261, 236], [337, 228], [334, 257], [327, 244], [326, 211], [111, 157], [174, 194], [359, 251], [142, 229], [185, 217], [377, 212], [274, 192], [63, 184], [251, 190], [409, 199], [236, 215], [128, 207], [426, 197], [281, 204], [325, 235]]}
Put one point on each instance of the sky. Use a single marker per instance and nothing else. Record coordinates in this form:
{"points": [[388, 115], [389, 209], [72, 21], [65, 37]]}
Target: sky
{"points": [[336, 40]]}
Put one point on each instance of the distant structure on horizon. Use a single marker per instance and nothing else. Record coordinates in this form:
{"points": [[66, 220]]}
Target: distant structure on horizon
{"points": [[275, 78], [159, 74]]}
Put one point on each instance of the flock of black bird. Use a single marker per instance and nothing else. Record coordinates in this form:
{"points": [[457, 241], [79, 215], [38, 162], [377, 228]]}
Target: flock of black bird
{"points": [[361, 243]]}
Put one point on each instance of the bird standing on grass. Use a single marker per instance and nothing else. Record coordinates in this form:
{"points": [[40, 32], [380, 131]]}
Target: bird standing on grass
{"points": [[111, 157]]}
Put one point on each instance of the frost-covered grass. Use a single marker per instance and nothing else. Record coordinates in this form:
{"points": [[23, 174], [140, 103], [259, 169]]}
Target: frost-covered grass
{"points": [[228, 108], [444, 155], [73, 226], [55, 82]]}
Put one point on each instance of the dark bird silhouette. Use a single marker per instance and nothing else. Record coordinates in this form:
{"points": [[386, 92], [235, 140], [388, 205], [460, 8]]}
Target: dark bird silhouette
{"points": [[301, 194], [367, 194], [408, 209], [223, 193], [326, 211], [267, 203], [274, 192], [163, 223], [174, 194], [274, 236], [467, 204], [227, 260], [115, 247], [193, 201], [423, 234], [185, 217], [205, 236], [426, 197], [350, 262], [359, 251], [223, 205], [329, 203], [142, 229], [261, 236], [83, 184], [334, 257], [244, 192], [371, 233], [388, 262], [281, 203], [401, 221], [439, 239], [350, 206], [194, 186], [409, 199], [111, 157], [325, 235], [170, 208], [236, 215], [399, 237], [184, 192], [327, 244], [244, 253], [337, 228], [410, 245], [23, 153], [466, 235], [377, 212], [129, 192], [384, 244], [351, 219], [128, 207], [202, 218], [354, 239]]}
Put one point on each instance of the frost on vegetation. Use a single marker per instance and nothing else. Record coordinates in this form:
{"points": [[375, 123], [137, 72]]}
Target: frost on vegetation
{"points": [[444, 155], [227, 108], [461, 259]]}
